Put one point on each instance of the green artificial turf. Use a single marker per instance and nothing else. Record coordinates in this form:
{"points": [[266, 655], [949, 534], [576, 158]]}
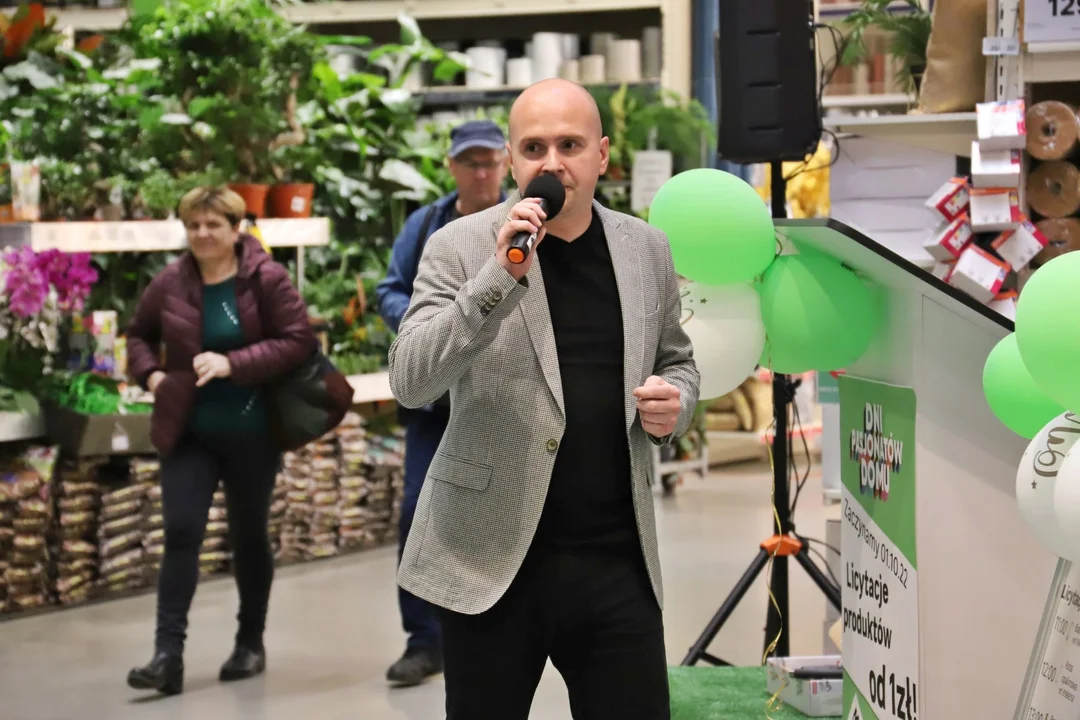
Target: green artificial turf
{"points": [[723, 693]]}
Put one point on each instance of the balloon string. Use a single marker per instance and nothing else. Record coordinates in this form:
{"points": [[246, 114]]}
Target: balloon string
{"points": [[773, 703]]}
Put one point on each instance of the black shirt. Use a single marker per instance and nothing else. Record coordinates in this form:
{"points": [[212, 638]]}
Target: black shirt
{"points": [[589, 502]]}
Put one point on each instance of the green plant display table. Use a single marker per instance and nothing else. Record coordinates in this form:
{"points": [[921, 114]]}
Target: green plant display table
{"points": [[723, 693]]}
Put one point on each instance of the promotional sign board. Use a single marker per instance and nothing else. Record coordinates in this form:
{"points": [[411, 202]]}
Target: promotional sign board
{"points": [[880, 589]]}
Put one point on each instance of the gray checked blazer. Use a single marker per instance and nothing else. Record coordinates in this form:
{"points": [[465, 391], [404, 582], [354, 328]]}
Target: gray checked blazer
{"points": [[472, 330]]}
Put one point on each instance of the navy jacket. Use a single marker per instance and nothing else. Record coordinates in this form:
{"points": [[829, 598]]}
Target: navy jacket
{"points": [[395, 290]]}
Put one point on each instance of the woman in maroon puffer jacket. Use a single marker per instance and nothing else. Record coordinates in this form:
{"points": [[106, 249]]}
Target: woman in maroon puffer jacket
{"points": [[208, 334]]}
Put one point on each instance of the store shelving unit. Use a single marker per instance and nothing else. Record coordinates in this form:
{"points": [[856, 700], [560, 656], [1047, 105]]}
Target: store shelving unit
{"points": [[943, 132], [675, 18], [149, 235], [20, 426], [154, 236], [867, 101], [456, 96]]}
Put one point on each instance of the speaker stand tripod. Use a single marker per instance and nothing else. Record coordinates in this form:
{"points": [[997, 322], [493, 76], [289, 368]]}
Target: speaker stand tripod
{"points": [[783, 544]]}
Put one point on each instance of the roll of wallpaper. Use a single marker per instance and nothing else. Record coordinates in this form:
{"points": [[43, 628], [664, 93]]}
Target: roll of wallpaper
{"points": [[570, 70], [1053, 189], [547, 55], [624, 61], [1053, 130], [487, 67], [519, 72], [593, 69], [1064, 236], [652, 52], [571, 46], [599, 42]]}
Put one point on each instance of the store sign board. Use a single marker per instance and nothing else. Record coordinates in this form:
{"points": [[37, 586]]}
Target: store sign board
{"points": [[652, 168], [1051, 21], [1052, 686], [880, 588]]}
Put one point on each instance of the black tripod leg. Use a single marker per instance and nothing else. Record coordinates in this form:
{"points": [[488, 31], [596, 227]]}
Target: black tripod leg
{"points": [[831, 591], [698, 651]]}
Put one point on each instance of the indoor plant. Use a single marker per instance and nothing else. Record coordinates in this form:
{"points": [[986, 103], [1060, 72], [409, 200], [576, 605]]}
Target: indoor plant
{"points": [[37, 291], [908, 31], [295, 167]]}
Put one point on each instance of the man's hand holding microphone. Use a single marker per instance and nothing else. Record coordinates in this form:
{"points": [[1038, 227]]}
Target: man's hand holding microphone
{"points": [[524, 227], [526, 217]]}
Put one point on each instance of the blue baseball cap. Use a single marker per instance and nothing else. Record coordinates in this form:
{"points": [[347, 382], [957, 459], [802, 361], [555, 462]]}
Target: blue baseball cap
{"points": [[476, 134]]}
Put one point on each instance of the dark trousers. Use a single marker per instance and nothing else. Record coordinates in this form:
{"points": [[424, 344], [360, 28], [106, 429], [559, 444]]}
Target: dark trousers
{"points": [[423, 432], [593, 613], [247, 465]]}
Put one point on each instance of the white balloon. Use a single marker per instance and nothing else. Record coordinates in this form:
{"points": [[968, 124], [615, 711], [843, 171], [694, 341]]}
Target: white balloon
{"points": [[1066, 456], [728, 334], [1041, 477]]}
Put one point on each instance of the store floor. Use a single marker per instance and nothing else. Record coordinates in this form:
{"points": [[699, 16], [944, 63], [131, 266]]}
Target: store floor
{"points": [[333, 627]]}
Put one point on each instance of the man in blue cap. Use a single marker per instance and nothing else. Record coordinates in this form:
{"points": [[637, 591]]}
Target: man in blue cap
{"points": [[478, 162]]}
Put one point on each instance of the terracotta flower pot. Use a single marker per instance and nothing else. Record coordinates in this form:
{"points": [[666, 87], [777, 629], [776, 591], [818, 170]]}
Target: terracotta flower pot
{"points": [[254, 197], [291, 200]]}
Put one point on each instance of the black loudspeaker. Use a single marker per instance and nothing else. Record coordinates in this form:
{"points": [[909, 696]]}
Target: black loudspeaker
{"points": [[767, 81]]}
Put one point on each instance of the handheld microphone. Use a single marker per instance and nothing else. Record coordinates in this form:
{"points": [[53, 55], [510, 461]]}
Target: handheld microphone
{"points": [[552, 196]]}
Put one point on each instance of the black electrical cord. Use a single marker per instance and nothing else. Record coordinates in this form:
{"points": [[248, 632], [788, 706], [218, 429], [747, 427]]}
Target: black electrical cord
{"points": [[827, 72]]}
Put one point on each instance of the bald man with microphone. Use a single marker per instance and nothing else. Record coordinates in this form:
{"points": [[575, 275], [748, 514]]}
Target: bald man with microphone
{"points": [[554, 324]]}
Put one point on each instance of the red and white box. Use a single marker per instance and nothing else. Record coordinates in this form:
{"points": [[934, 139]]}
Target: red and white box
{"points": [[1020, 246], [994, 168], [947, 244], [979, 274], [1005, 303], [995, 209], [951, 200], [1001, 125]]}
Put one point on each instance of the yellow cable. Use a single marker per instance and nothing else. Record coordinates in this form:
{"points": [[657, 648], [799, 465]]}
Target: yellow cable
{"points": [[773, 703]]}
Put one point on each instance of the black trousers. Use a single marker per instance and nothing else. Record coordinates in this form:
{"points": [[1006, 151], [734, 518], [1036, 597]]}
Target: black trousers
{"points": [[247, 466], [593, 613]]}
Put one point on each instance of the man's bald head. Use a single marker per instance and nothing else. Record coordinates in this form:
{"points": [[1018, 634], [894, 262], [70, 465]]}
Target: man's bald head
{"points": [[557, 96], [555, 129]]}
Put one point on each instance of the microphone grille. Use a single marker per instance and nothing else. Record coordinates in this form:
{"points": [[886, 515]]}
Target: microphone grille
{"points": [[550, 189]]}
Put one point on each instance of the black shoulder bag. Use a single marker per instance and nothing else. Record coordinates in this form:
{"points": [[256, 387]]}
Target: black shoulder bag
{"points": [[308, 401]]}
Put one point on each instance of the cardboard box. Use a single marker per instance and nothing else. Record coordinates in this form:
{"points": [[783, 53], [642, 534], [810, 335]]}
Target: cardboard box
{"points": [[947, 244], [81, 435], [814, 698], [1005, 303], [979, 274], [995, 209], [951, 199], [942, 271], [994, 168], [1020, 246], [1001, 125]]}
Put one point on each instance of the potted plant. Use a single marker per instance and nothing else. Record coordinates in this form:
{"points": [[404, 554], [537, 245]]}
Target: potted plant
{"points": [[296, 167], [37, 290], [908, 31]]}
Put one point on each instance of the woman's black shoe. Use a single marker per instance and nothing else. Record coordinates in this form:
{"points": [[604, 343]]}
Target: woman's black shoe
{"points": [[165, 673], [243, 664]]}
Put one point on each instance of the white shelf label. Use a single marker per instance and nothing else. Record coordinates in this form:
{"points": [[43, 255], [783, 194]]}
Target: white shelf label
{"points": [[993, 46], [1051, 20]]}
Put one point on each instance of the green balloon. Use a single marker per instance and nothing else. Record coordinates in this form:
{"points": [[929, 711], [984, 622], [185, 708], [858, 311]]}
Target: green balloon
{"points": [[1012, 393], [1048, 329], [772, 359], [719, 228], [818, 314]]}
